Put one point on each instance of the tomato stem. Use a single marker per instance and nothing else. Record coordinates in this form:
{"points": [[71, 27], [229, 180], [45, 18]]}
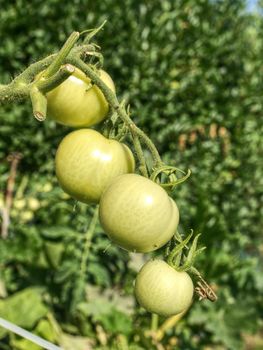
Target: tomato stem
{"points": [[92, 32], [39, 104], [19, 88], [139, 154], [63, 53], [169, 323], [177, 250], [45, 85], [87, 243], [154, 322], [170, 171]]}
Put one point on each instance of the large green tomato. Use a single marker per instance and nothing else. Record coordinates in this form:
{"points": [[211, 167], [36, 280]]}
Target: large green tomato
{"points": [[137, 214], [76, 102], [86, 162], [162, 290]]}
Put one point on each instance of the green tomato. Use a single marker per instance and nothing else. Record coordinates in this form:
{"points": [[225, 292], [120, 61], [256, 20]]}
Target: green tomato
{"points": [[19, 203], [137, 214], [33, 203], [86, 162], [78, 103], [161, 289]]}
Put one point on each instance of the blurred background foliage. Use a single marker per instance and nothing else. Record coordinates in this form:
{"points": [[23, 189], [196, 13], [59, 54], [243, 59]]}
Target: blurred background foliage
{"points": [[192, 72]]}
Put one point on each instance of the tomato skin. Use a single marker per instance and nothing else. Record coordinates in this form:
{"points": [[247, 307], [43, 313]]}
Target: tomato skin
{"points": [[161, 289], [137, 214], [86, 162], [76, 102]]}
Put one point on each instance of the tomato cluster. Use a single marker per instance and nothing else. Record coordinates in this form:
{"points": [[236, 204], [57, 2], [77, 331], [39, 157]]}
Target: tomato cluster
{"points": [[136, 213]]}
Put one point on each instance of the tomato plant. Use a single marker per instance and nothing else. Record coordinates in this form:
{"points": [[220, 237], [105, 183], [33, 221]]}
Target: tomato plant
{"points": [[137, 214], [161, 289], [86, 162], [77, 102], [135, 209]]}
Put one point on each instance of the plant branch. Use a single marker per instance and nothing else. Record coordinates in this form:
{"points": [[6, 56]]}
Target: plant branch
{"points": [[140, 155], [14, 158], [168, 324], [42, 86], [39, 104], [60, 57], [45, 85], [19, 88], [87, 243], [154, 322]]}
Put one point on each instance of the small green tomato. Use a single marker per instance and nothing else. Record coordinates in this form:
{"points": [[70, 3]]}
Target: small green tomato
{"points": [[161, 289], [19, 203], [46, 188], [137, 214], [27, 215], [33, 203]]}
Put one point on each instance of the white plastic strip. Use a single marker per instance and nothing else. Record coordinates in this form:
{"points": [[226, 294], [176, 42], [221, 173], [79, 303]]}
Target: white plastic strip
{"points": [[25, 334]]}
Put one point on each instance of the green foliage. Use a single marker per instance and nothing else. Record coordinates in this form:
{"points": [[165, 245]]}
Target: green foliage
{"points": [[30, 305], [105, 312], [191, 71]]}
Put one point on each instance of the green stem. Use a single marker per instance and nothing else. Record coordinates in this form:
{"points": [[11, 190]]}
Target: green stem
{"points": [[63, 53], [115, 105], [92, 32], [39, 104], [11, 93], [31, 71], [19, 89], [45, 85], [154, 322], [87, 243], [122, 133], [178, 249], [140, 155]]}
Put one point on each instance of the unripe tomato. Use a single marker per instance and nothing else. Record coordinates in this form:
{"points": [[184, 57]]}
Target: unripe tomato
{"points": [[76, 102], [19, 203], [161, 289], [33, 203], [86, 162], [137, 214], [26, 215]]}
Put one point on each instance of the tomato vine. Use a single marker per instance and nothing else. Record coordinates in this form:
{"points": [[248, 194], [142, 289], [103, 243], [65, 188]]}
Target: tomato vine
{"points": [[56, 69]]}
